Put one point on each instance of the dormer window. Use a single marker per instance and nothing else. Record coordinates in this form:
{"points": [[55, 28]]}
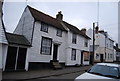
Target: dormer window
{"points": [[44, 27], [59, 32]]}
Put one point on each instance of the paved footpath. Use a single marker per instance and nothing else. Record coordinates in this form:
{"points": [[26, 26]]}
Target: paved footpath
{"points": [[41, 73]]}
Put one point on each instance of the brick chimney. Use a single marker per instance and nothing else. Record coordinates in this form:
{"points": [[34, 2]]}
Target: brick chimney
{"points": [[59, 16], [83, 31]]}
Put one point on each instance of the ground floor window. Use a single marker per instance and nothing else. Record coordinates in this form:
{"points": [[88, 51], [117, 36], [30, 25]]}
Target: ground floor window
{"points": [[86, 56], [46, 46], [73, 54]]}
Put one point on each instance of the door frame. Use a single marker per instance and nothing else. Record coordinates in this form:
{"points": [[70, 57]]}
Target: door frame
{"points": [[6, 65], [82, 55], [55, 56]]}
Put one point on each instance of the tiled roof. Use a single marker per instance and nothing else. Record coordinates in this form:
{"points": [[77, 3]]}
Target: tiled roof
{"points": [[54, 22], [17, 39], [75, 30], [45, 18]]}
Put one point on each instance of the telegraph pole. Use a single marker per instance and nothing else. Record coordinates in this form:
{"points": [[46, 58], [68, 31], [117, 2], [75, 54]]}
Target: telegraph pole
{"points": [[93, 43]]}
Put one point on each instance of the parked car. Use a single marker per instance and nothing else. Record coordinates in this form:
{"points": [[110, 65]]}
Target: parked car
{"points": [[103, 71]]}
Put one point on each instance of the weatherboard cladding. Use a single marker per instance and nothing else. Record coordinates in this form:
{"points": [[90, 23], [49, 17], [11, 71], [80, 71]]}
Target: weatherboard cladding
{"points": [[17, 39], [39, 16]]}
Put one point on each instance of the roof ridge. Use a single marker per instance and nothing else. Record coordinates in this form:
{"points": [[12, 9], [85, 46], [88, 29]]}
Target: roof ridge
{"points": [[41, 12]]}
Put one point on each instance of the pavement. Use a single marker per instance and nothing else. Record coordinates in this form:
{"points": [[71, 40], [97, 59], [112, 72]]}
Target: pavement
{"points": [[42, 73]]}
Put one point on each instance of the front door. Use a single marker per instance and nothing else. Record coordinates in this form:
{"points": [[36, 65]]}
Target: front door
{"points": [[55, 51], [16, 58], [101, 57], [82, 57], [21, 58], [11, 58]]}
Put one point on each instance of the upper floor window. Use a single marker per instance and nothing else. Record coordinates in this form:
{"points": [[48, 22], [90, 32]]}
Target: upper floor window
{"points": [[46, 46], [44, 27], [59, 32], [74, 38], [86, 43], [73, 55]]}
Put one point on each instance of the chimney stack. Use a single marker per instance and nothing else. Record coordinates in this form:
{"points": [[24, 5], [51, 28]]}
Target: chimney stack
{"points": [[83, 31], [97, 30], [59, 16]]}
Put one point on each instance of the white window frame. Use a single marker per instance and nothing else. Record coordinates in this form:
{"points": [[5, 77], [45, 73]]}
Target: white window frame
{"points": [[86, 43], [73, 55], [46, 45], [44, 27], [59, 33], [74, 38]]}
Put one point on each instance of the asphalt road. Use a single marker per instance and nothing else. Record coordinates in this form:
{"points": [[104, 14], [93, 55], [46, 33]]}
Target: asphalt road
{"points": [[63, 77]]}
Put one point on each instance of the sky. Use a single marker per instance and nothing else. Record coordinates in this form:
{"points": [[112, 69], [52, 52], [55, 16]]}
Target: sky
{"points": [[79, 14]]}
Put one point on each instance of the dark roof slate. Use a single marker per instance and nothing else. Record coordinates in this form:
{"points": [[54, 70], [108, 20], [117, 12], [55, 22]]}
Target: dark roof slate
{"points": [[75, 30], [17, 39], [45, 18], [54, 22]]}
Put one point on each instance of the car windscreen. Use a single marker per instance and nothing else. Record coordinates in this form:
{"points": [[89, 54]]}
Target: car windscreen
{"points": [[104, 70]]}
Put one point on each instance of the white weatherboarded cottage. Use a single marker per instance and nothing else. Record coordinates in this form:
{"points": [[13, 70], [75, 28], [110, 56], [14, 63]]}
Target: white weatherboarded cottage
{"points": [[53, 41]]}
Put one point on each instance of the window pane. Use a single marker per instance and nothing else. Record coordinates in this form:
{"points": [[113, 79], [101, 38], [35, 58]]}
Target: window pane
{"points": [[46, 46], [74, 38], [59, 33], [73, 55], [44, 27]]}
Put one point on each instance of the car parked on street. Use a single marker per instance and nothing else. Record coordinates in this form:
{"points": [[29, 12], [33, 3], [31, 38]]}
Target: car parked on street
{"points": [[102, 71]]}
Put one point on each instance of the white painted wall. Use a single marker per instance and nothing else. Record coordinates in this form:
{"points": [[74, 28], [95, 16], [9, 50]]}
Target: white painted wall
{"points": [[25, 25], [34, 51], [79, 46], [3, 41], [114, 55], [4, 55]]}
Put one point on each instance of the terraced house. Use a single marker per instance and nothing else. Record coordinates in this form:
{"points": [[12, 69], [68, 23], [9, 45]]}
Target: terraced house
{"points": [[41, 40]]}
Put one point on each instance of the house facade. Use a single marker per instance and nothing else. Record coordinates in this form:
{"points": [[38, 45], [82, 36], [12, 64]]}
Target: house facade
{"points": [[104, 51], [3, 40], [49, 39]]}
